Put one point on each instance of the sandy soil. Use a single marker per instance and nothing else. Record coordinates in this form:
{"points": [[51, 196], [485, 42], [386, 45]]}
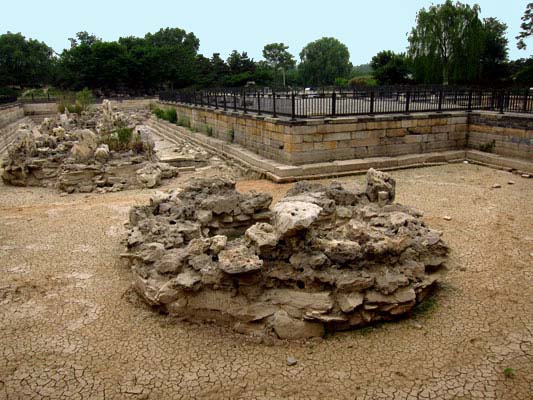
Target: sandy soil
{"points": [[71, 329]]}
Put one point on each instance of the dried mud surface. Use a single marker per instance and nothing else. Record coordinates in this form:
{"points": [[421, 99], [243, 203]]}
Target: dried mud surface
{"points": [[70, 328]]}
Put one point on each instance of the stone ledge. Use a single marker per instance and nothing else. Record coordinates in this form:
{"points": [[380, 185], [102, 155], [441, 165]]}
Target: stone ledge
{"points": [[499, 162]]}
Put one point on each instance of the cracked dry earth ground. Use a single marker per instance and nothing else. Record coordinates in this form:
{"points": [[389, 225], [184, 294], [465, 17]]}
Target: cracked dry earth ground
{"points": [[69, 328]]}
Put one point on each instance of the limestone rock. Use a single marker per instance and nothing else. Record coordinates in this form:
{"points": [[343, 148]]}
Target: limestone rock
{"points": [[294, 216], [349, 302], [378, 181], [238, 260], [210, 253], [102, 153], [289, 328], [149, 176]]}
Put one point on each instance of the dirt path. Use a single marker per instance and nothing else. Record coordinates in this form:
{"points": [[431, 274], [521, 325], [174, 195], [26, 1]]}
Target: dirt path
{"points": [[70, 329]]}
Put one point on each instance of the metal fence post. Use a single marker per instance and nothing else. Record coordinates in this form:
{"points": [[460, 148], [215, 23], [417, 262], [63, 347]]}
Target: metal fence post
{"points": [[407, 101], [293, 106], [440, 100], [224, 100], [274, 104], [524, 107], [234, 100], [333, 103], [243, 94], [502, 101], [469, 100], [201, 98], [258, 103], [372, 102], [208, 100], [216, 101], [492, 100]]}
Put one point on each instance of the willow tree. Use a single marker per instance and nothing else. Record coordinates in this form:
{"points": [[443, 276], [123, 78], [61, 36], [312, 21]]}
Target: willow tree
{"points": [[446, 44], [526, 27]]}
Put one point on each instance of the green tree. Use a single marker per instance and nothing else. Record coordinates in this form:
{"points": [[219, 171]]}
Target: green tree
{"points": [[25, 62], [324, 60], [83, 38], [95, 64], [493, 67], [446, 44], [526, 27], [174, 56], [219, 69], [277, 57], [390, 68], [241, 69]]}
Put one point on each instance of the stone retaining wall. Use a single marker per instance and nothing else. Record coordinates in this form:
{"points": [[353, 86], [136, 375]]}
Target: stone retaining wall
{"points": [[344, 138], [10, 114], [39, 108], [329, 139], [504, 134]]}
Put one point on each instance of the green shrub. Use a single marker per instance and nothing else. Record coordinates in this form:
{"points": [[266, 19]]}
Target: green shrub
{"points": [[509, 372], [488, 147], [124, 135], [84, 99], [184, 121], [209, 130], [168, 114], [231, 134], [367, 80], [121, 140], [171, 115], [341, 82], [75, 103], [74, 108]]}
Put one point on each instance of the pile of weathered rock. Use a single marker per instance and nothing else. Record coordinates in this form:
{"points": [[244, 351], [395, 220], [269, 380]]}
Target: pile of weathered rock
{"points": [[72, 152], [323, 258]]}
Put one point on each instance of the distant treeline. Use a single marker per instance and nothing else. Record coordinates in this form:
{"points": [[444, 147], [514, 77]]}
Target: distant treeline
{"points": [[463, 50]]}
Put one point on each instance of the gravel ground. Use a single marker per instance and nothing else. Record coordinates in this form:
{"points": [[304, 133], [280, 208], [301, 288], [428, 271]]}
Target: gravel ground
{"points": [[70, 328]]}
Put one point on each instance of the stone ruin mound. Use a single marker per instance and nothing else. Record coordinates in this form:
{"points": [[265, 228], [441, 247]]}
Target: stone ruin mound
{"points": [[100, 150], [324, 258]]}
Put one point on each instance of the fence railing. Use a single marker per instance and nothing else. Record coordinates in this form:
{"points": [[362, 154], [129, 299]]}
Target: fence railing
{"points": [[359, 101]]}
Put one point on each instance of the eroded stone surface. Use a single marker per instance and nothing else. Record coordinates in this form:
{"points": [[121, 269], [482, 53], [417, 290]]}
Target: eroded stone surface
{"points": [[325, 258]]}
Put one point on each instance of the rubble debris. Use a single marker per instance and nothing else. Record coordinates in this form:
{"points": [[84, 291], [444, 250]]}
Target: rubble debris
{"points": [[99, 150]]}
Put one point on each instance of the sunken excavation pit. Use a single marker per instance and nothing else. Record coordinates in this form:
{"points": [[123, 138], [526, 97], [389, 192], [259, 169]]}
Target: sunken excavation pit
{"points": [[324, 258], [97, 150]]}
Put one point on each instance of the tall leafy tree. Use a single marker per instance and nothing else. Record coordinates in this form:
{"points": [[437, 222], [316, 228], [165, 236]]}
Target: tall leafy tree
{"points": [[241, 69], [25, 62], [219, 69], [390, 68], [493, 67], [278, 58], [446, 43], [174, 51], [324, 60], [526, 27]]}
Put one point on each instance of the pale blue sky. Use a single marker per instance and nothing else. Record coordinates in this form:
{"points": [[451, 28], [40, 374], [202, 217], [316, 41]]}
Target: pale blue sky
{"points": [[366, 27]]}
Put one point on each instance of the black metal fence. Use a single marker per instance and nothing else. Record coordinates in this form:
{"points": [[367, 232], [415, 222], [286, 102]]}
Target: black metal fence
{"points": [[345, 102]]}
